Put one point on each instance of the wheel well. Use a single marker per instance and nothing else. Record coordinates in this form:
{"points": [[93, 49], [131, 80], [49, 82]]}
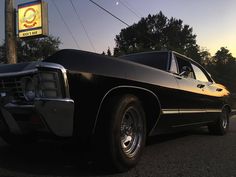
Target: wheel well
{"points": [[148, 99]]}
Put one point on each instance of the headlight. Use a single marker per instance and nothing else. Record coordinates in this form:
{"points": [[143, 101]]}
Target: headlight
{"points": [[29, 89], [45, 84], [49, 85]]}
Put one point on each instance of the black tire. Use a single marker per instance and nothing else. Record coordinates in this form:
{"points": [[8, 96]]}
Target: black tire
{"points": [[126, 132], [221, 126]]}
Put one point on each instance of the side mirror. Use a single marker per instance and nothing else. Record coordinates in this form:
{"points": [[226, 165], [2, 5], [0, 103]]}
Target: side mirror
{"points": [[186, 70]]}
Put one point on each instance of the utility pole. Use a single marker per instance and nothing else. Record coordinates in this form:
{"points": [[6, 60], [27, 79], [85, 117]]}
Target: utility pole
{"points": [[10, 32]]}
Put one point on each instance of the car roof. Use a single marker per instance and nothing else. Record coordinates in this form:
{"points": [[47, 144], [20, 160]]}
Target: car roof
{"points": [[142, 53]]}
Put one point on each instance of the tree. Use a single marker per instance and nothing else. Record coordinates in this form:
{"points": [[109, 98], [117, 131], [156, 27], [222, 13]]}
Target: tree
{"points": [[206, 58], [33, 49], [224, 64], [223, 68], [157, 32], [108, 51], [223, 57]]}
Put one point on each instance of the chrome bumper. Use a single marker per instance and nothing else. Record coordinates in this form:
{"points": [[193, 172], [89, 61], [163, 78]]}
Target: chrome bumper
{"points": [[56, 114]]}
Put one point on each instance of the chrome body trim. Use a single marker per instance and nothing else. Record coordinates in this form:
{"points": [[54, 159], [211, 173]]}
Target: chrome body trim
{"points": [[192, 111], [213, 110], [189, 111], [125, 86], [57, 114], [11, 105], [55, 99], [31, 71], [170, 111]]}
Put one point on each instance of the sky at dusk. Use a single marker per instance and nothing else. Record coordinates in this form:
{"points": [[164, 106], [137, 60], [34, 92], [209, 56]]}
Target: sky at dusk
{"points": [[213, 21]]}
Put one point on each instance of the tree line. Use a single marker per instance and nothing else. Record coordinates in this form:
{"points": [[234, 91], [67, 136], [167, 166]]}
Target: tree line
{"points": [[33, 49]]}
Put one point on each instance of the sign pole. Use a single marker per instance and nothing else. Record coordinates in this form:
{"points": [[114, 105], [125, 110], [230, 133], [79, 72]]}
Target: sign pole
{"points": [[10, 35]]}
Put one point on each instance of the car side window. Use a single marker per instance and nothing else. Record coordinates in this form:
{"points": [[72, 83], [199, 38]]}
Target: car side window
{"points": [[173, 65], [182, 64], [154, 59], [199, 73]]}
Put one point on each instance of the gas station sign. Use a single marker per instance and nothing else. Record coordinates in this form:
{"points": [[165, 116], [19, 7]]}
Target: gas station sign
{"points": [[33, 19]]}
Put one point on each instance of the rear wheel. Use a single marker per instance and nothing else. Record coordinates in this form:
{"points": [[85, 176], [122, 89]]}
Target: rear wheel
{"points": [[221, 126]]}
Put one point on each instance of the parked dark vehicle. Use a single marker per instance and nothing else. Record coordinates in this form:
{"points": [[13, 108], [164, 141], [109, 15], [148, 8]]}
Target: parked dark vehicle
{"points": [[111, 103]]}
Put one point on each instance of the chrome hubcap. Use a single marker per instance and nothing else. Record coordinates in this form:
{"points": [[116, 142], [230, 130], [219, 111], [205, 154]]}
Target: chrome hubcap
{"points": [[131, 132]]}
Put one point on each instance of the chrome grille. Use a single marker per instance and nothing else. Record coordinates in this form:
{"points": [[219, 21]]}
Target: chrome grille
{"points": [[11, 86]]}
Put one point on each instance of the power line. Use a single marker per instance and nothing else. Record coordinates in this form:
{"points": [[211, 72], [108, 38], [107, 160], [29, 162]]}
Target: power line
{"points": [[109, 13], [128, 4], [73, 37], [119, 19], [127, 7], [86, 32]]}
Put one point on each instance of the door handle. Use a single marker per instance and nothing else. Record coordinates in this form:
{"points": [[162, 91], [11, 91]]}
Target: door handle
{"points": [[200, 86], [178, 77]]}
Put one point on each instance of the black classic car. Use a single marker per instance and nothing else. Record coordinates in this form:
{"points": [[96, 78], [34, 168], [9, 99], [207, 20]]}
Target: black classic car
{"points": [[111, 103]]}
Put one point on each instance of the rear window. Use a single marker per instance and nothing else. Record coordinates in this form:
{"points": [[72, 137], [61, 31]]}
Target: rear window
{"points": [[154, 59]]}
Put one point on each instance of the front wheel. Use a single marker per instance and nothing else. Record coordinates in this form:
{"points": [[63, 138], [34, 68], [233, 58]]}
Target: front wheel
{"points": [[221, 126], [125, 132], [128, 132]]}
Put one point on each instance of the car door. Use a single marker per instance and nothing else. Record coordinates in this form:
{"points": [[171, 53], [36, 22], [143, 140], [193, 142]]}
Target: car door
{"points": [[191, 94], [213, 93]]}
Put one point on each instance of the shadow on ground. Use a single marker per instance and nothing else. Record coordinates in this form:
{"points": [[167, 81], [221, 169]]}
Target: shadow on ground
{"points": [[48, 158], [175, 134], [64, 159]]}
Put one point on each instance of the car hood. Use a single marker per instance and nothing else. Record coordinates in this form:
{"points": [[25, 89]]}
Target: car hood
{"points": [[80, 60], [13, 68]]}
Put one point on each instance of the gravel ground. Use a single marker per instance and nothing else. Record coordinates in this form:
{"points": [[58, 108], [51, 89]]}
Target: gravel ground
{"points": [[188, 154]]}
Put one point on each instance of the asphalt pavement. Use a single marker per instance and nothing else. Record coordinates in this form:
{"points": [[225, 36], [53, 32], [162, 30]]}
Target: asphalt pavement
{"points": [[194, 153]]}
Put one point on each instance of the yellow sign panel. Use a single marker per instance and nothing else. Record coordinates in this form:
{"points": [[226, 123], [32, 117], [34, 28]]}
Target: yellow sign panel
{"points": [[32, 19]]}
